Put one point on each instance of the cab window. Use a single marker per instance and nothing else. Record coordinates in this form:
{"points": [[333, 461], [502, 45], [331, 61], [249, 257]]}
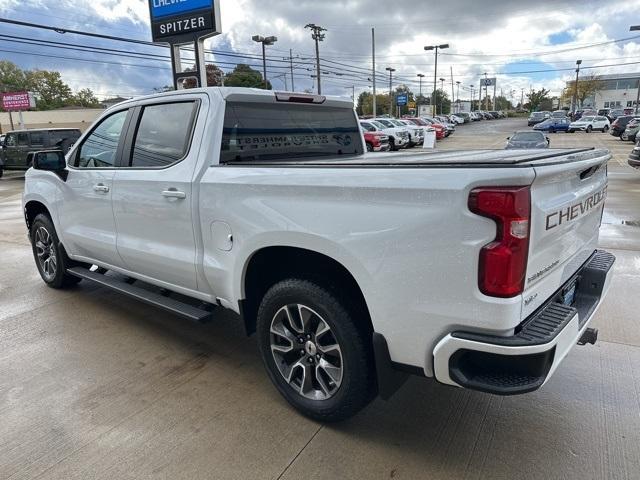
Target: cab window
{"points": [[163, 135], [100, 148], [23, 140], [11, 140]]}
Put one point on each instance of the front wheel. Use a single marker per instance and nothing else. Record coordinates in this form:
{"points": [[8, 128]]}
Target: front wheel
{"points": [[317, 355], [570, 131], [51, 260], [589, 129], [605, 129], [551, 130], [1, 172], [392, 143], [369, 147]]}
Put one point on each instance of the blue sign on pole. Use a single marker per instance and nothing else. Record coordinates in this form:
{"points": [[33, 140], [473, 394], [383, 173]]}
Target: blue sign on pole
{"points": [[165, 8], [184, 21], [402, 99]]}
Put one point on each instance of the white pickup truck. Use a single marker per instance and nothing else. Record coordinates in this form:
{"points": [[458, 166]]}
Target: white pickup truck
{"points": [[479, 269]]}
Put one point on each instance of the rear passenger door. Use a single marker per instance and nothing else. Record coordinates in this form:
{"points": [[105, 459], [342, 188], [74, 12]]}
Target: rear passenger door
{"points": [[153, 197]]}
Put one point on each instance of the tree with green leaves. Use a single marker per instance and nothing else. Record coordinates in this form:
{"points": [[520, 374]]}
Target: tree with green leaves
{"points": [[51, 92], [12, 78], [214, 76], [245, 76], [443, 104], [85, 98], [539, 100]]}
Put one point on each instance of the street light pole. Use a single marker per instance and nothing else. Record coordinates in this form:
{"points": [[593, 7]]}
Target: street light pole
{"points": [[318, 36], [435, 73], [390, 70], [442, 80], [473, 98], [420, 76], [264, 41], [458, 99], [575, 90]]}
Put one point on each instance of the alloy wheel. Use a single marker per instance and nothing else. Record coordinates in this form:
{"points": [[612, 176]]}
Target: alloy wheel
{"points": [[46, 251], [306, 352]]}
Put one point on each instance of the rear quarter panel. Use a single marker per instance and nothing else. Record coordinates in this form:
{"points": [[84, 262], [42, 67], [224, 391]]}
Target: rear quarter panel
{"points": [[406, 235]]}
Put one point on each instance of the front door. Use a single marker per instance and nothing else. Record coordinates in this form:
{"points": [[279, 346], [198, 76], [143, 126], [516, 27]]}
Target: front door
{"points": [[153, 196], [86, 213], [16, 150]]}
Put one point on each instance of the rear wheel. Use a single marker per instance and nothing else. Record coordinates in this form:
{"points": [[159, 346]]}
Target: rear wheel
{"points": [[316, 354], [605, 129], [1, 172], [570, 131], [392, 144], [552, 130], [51, 260], [369, 147]]}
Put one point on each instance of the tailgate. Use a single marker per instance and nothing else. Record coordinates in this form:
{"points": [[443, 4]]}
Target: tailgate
{"points": [[567, 201]]}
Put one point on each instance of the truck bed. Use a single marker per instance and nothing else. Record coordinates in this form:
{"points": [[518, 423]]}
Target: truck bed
{"points": [[449, 159]]}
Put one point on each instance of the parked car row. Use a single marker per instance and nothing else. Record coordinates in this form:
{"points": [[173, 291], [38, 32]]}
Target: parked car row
{"points": [[382, 134], [587, 124]]}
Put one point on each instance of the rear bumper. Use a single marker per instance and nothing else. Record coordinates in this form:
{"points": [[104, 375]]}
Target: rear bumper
{"points": [[525, 361]]}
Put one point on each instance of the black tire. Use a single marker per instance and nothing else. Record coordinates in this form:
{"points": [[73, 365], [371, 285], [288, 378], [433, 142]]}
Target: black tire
{"points": [[1, 172], [57, 276], [605, 129], [551, 130], [589, 129], [570, 131], [357, 383], [369, 147], [392, 144]]}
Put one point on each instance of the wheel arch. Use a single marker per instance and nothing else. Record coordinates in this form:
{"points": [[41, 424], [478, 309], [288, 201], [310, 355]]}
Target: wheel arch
{"points": [[270, 264], [32, 209]]}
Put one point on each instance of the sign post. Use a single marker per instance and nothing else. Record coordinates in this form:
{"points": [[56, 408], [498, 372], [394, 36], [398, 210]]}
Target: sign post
{"points": [[17, 102], [185, 22]]}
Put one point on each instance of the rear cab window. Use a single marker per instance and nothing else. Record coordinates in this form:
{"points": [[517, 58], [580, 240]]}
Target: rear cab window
{"points": [[163, 134], [282, 131]]}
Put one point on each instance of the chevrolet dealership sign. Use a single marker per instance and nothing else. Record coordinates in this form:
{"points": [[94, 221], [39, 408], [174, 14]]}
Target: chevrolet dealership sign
{"points": [[184, 21]]}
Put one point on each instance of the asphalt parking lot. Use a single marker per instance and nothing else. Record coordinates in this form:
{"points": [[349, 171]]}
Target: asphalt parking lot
{"points": [[94, 385]]}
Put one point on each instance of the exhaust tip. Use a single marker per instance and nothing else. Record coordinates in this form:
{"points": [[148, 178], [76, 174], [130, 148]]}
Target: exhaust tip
{"points": [[590, 335]]}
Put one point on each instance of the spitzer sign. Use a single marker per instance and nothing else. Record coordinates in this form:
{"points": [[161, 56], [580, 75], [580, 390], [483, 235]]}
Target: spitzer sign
{"points": [[184, 21]]}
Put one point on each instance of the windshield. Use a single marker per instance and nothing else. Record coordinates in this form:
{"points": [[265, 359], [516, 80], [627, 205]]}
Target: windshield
{"points": [[379, 125], [386, 123], [527, 137], [255, 131], [586, 119]]}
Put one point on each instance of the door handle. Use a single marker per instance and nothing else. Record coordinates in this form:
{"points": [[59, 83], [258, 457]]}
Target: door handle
{"points": [[101, 187], [173, 193]]}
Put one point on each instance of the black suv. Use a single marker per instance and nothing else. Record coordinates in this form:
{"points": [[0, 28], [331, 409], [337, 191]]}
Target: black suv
{"points": [[18, 144]]}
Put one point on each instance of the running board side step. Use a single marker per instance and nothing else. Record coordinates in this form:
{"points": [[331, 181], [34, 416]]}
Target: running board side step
{"points": [[169, 304]]}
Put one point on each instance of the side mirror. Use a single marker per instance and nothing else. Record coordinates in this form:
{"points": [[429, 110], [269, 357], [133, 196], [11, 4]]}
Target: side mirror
{"points": [[51, 161], [508, 138]]}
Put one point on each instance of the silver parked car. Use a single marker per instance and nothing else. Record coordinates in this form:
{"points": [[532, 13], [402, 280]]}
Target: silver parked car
{"points": [[527, 139]]}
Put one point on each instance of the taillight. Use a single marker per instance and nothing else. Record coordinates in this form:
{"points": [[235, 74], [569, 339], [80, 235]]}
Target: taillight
{"points": [[503, 262]]}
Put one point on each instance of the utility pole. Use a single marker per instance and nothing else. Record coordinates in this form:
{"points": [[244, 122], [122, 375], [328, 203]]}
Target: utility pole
{"points": [[293, 85], [486, 93], [442, 80], [458, 98], [420, 76], [473, 97], [390, 70], [453, 95], [522, 98], [435, 73], [574, 103], [264, 41], [318, 36], [373, 56]]}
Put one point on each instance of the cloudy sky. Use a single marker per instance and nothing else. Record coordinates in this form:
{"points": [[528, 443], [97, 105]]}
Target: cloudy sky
{"points": [[524, 44]]}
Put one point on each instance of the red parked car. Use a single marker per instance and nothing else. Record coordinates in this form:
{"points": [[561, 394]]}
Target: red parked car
{"points": [[376, 142], [441, 130]]}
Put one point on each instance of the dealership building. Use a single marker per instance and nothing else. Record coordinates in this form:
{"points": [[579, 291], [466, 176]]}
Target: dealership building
{"points": [[619, 91]]}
